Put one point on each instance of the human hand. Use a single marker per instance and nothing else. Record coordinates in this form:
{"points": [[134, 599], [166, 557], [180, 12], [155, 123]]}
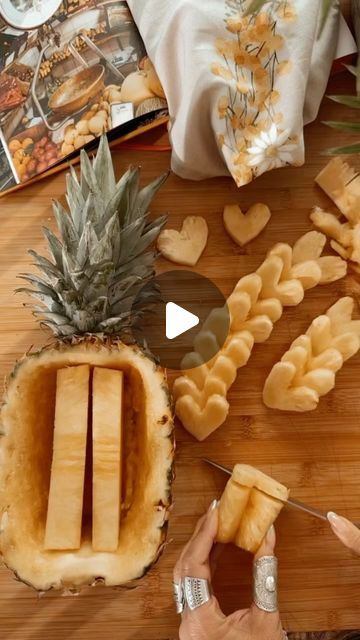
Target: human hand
{"points": [[346, 531], [208, 621]]}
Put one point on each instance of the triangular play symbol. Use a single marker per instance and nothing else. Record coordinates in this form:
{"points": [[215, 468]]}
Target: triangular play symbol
{"points": [[178, 320]]}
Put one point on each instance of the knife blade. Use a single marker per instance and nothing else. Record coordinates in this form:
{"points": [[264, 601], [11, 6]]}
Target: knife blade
{"points": [[296, 504]]}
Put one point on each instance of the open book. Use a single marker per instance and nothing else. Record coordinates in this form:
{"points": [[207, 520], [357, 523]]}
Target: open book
{"points": [[69, 71]]}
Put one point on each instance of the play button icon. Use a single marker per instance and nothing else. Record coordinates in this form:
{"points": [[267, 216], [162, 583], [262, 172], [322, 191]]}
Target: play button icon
{"points": [[188, 306], [178, 320]]}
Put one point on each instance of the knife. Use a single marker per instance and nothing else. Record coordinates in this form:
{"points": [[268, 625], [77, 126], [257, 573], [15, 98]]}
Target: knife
{"points": [[291, 502]]}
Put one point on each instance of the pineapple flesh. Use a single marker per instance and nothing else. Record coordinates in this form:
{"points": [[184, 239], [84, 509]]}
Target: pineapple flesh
{"points": [[97, 265], [65, 506], [107, 396], [249, 505]]}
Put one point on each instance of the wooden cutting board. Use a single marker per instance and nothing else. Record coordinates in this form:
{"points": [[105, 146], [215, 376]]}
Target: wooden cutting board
{"points": [[316, 454]]}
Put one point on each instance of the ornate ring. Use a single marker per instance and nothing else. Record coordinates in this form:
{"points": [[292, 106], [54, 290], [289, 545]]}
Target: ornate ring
{"points": [[178, 592], [265, 583], [196, 591]]}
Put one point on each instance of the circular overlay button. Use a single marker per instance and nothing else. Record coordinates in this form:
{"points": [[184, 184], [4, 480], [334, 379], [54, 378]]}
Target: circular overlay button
{"points": [[190, 323]]}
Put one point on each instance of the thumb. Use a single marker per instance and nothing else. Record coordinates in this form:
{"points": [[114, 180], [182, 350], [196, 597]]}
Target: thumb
{"points": [[267, 547], [194, 559], [263, 624], [346, 531]]}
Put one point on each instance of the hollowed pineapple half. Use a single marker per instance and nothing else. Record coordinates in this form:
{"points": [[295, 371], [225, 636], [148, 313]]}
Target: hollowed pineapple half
{"points": [[62, 444], [26, 456]]}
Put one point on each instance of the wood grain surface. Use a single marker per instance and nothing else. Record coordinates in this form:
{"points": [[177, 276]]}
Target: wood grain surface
{"points": [[316, 454]]}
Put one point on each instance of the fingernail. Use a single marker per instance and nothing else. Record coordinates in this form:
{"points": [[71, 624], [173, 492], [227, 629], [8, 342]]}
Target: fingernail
{"points": [[213, 506], [337, 522]]}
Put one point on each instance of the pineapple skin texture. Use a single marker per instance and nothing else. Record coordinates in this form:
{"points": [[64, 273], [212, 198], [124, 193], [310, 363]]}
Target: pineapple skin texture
{"points": [[26, 428], [249, 505]]}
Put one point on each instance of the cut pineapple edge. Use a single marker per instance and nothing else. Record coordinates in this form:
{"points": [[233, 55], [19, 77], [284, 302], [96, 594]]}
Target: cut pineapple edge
{"points": [[249, 505], [47, 537], [341, 183]]}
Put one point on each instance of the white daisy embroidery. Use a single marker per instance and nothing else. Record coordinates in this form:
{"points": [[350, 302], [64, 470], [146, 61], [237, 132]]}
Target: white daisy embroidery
{"points": [[271, 150]]}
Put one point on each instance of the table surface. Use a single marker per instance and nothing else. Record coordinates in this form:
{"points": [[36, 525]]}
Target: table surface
{"points": [[316, 454]]}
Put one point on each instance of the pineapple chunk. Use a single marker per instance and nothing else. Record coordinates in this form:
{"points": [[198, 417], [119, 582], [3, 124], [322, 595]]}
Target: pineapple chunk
{"points": [[243, 228], [107, 427], [65, 506], [342, 184], [184, 246], [250, 504]]}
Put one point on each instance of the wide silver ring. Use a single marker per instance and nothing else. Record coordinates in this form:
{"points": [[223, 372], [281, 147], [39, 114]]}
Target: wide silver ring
{"points": [[179, 598], [265, 583], [196, 592]]}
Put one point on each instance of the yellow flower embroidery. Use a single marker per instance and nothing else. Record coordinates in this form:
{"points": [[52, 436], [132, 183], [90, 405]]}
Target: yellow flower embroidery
{"points": [[223, 106], [220, 70], [251, 61]]}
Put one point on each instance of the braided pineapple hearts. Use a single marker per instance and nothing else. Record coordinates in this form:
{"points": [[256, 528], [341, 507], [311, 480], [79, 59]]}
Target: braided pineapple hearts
{"points": [[307, 371], [255, 305]]}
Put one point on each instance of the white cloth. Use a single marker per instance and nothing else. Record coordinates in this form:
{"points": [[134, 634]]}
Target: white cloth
{"points": [[239, 88]]}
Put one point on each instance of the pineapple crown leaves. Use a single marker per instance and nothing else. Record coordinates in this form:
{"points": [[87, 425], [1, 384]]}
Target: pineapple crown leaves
{"points": [[103, 256]]}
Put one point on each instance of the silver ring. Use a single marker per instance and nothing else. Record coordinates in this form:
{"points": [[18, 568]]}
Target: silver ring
{"points": [[265, 583], [196, 591], [178, 592]]}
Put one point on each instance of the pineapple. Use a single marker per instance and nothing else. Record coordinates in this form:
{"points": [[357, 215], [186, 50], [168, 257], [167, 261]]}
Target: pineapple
{"points": [[65, 503], [97, 267], [107, 457], [250, 504]]}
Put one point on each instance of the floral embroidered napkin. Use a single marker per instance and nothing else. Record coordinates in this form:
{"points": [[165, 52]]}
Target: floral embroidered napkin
{"points": [[240, 87]]}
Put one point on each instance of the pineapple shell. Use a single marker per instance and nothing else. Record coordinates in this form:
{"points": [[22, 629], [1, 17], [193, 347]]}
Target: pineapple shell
{"points": [[27, 419]]}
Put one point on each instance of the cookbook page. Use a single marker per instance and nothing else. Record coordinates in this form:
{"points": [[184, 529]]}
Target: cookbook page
{"points": [[65, 81]]}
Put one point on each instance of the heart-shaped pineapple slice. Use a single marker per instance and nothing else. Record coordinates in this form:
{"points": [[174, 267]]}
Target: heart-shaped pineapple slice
{"points": [[185, 246], [243, 228]]}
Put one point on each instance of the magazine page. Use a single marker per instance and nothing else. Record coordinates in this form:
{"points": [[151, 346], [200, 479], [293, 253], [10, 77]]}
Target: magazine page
{"points": [[68, 73]]}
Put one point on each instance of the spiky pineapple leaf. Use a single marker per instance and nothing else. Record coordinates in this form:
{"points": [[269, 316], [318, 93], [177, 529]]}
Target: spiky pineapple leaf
{"points": [[75, 200], [125, 214], [40, 283], [147, 239], [104, 169], [118, 201], [343, 126], [82, 253], [59, 329], [55, 247], [88, 175], [348, 101], [66, 227], [347, 150], [44, 265], [146, 195], [47, 300]]}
